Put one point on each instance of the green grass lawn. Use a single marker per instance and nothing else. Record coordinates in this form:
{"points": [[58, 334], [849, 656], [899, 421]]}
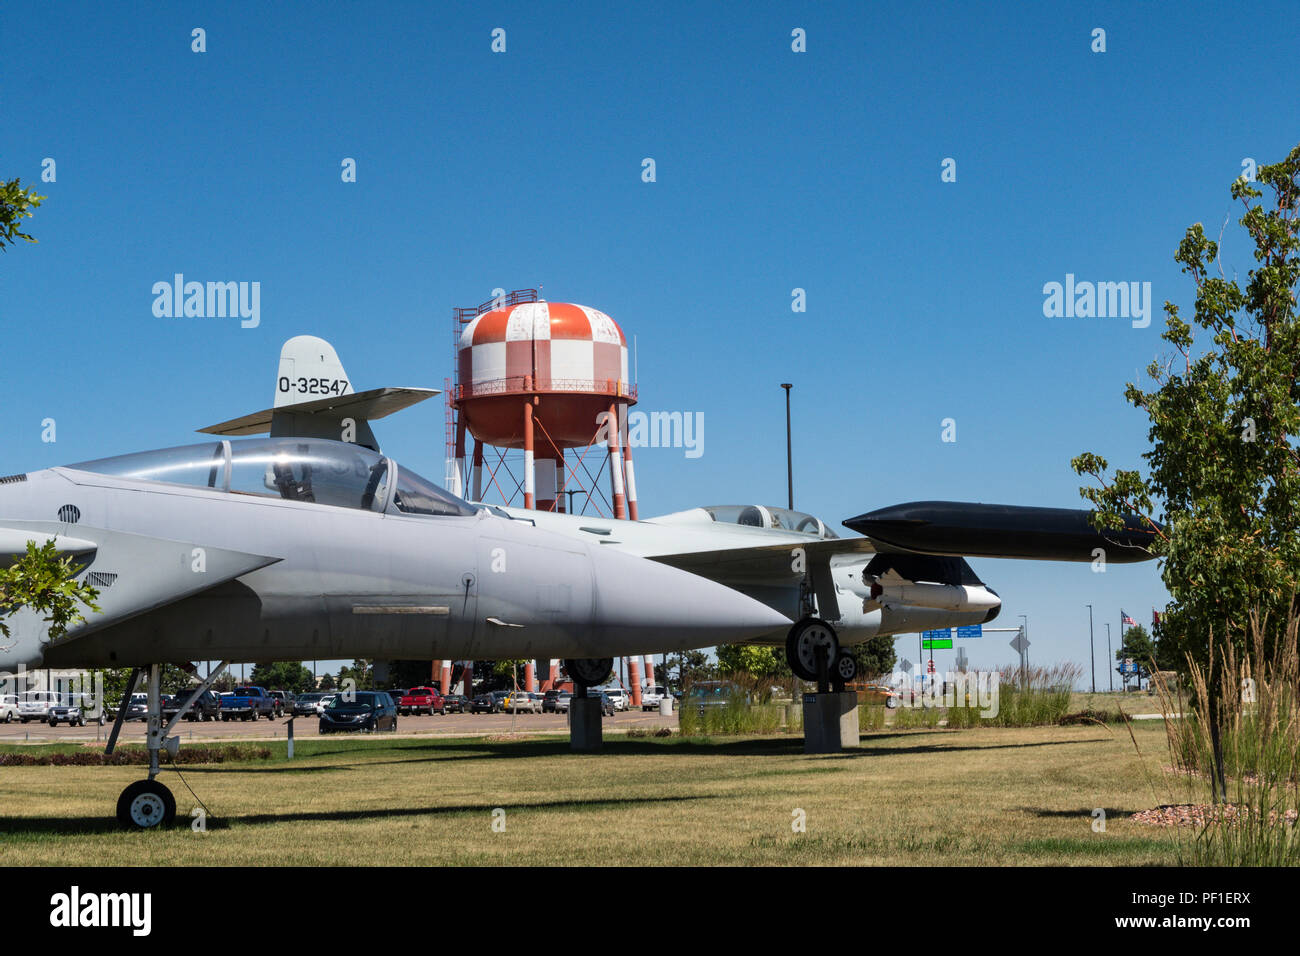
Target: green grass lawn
{"points": [[981, 796]]}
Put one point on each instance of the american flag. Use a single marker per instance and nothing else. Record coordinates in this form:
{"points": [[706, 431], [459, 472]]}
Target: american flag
{"points": [[1155, 617], [1128, 621]]}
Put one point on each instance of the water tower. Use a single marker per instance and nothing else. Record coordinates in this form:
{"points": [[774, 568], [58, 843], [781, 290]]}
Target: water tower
{"points": [[549, 379]]}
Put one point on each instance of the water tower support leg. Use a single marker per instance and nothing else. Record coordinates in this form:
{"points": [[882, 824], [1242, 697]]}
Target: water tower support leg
{"points": [[530, 473]]}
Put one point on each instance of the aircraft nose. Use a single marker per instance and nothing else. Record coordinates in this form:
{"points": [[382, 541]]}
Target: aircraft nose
{"points": [[646, 605]]}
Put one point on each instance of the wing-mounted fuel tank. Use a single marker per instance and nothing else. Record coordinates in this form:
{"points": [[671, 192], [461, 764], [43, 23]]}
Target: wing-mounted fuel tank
{"points": [[944, 583], [1003, 531]]}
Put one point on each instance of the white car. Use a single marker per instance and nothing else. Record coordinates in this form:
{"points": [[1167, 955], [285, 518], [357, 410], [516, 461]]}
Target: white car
{"points": [[323, 703], [652, 695], [36, 704], [8, 707], [617, 695]]}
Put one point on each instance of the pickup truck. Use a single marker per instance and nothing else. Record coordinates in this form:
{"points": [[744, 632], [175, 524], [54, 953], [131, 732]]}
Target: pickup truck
{"points": [[206, 707], [422, 700], [652, 695], [247, 703]]}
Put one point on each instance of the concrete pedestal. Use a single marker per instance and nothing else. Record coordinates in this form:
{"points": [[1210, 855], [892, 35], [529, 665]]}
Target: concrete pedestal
{"points": [[584, 725], [830, 722]]}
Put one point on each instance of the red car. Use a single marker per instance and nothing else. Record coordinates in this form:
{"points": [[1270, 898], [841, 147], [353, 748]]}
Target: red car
{"points": [[422, 700]]}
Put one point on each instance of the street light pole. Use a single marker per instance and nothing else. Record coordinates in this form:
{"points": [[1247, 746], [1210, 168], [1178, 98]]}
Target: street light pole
{"points": [[1092, 653], [1110, 659], [789, 457]]}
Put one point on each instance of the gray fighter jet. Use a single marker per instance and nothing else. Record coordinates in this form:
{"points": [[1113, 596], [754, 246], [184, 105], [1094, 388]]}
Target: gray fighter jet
{"points": [[310, 548]]}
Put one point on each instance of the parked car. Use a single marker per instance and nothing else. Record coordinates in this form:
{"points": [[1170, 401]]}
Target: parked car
{"points": [[562, 702], [490, 702], [607, 705], [247, 703], [9, 708], [304, 704], [367, 710], [880, 694], [283, 702], [422, 700], [617, 695], [714, 693], [456, 704], [36, 704], [324, 702], [549, 701], [652, 695], [207, 706], [72, 712], [522, 702]]}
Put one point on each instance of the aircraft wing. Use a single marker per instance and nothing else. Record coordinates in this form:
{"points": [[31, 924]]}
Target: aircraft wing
{"points": [[763, 562], [923, 541], [368, 405]]}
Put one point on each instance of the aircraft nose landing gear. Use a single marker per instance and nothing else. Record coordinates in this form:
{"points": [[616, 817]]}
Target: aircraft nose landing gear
{"points": [[146, 804]]}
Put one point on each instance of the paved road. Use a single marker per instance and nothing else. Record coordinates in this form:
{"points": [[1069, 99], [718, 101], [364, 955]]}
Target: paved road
{"points": [[451, 725]]}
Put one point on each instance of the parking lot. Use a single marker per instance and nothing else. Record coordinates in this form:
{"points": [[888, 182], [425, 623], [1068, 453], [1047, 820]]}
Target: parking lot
{"points": [[450, 725]]}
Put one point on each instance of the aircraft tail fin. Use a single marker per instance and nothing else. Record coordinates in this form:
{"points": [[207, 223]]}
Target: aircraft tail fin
{"points": [[314, 398]]}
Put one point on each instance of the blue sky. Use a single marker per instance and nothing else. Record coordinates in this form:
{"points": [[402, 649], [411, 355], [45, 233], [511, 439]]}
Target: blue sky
{"points": [[775, 170]]}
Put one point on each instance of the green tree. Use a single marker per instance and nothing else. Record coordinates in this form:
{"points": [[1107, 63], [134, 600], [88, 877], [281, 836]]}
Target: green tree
{"points": [[875, 657], [42, 581], [1223, 472], [694, 666], [754, 659], [282, 675], [360, 672], [1224, 469], [16, 204]]}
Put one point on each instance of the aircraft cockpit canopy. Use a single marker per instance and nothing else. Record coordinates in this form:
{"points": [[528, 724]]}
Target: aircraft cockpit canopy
{"points": [[316, 470], [765, 516]]}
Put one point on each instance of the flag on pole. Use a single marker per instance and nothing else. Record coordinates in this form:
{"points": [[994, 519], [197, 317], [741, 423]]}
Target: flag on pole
{"points": [[1155, 617], [1128, 621]]}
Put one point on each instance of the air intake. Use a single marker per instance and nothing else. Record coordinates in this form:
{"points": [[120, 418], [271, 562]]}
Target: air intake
{"points": [[70, 514], [101, 579], [12, 479]]}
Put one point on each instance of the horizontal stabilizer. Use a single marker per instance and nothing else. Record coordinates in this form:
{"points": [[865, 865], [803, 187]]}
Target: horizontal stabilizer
{"points": [[315, 399], [370, 404]]}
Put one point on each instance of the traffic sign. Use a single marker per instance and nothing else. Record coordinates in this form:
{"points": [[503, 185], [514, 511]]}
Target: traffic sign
{"points": [[905, 666], [970, 631], [961, 659], [1020, 645], [937, 634], [937, 644], [930, 667]]}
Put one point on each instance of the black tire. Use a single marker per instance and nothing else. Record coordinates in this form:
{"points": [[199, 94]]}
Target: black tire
{"points": [[846, 668], [146, 805], [800, 645], [590, 671]]}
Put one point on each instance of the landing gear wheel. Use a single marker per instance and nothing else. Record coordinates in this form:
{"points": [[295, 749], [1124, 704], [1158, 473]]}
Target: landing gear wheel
{"points": [[589, 671], [846, 668], [802, 643], [145, 805]]}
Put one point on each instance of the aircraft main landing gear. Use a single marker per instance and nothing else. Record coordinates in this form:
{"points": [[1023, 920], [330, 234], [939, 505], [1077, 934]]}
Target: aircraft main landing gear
{"points": [[808, 639], [585, 731]]}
